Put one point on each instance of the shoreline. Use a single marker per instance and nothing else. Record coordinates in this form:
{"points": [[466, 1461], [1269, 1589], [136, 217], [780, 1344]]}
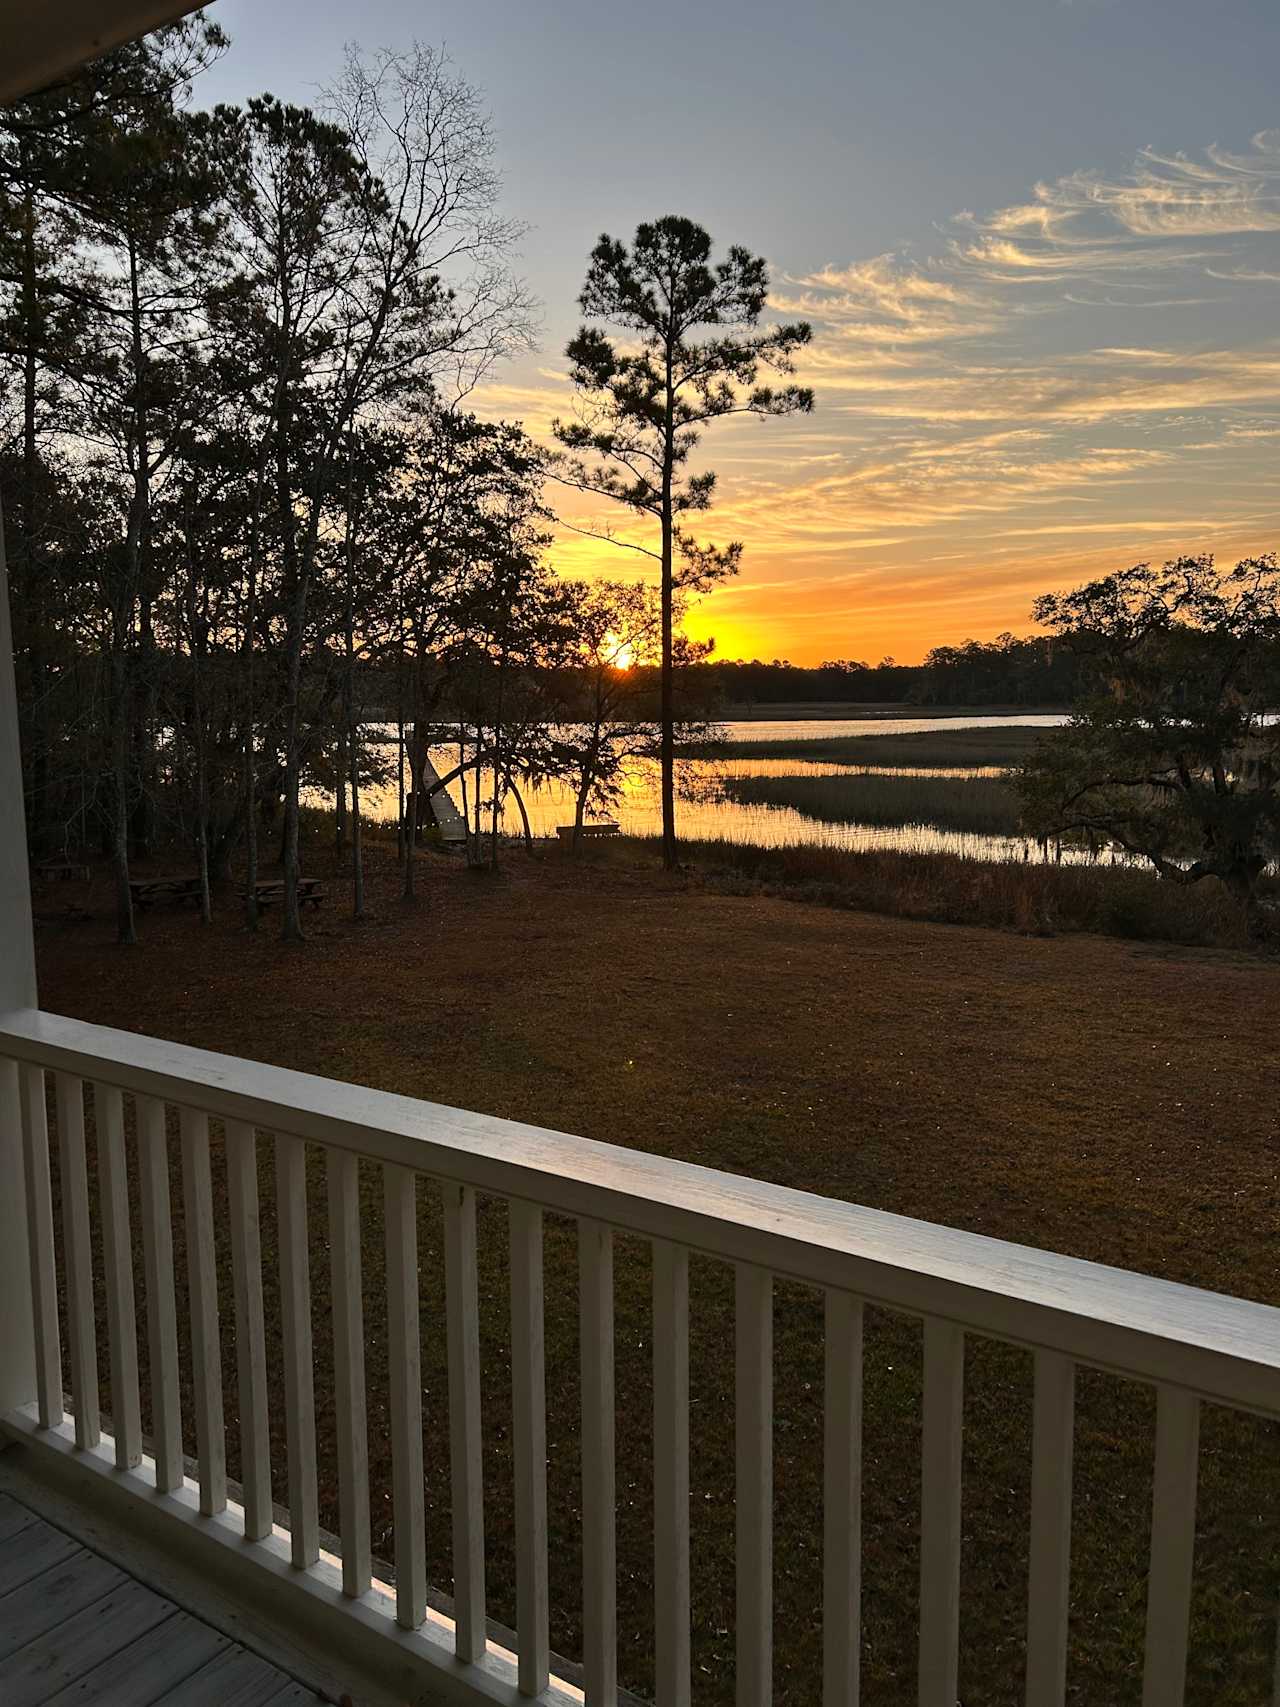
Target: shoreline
{"points": [[821, 711]]}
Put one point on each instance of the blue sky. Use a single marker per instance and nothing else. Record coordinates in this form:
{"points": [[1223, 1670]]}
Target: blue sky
{"points": [[1039, 242]]}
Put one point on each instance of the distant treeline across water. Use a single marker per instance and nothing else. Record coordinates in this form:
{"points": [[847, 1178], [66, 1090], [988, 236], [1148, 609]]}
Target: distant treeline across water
{"points": [[1006, 672]]}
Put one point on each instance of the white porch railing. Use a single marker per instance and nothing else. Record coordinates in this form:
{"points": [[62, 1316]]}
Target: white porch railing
{"points": [[1191, 1345]]}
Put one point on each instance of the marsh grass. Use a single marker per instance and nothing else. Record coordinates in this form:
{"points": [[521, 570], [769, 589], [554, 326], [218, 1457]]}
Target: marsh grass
{"points": [[986, 805], [1033, 898], [1005, 744]]}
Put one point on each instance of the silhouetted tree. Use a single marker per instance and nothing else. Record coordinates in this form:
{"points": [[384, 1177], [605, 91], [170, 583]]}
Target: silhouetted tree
{"points": [[647, 396], [1170, 753]]}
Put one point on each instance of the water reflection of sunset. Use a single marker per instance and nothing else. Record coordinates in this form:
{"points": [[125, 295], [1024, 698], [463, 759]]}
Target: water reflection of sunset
{"points": [[704, 813]]}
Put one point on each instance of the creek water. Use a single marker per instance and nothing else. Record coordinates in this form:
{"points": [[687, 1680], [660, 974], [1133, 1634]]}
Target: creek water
{"points": [[704, 813]]}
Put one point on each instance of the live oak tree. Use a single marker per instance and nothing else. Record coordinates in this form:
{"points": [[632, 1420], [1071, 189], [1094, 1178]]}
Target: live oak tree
{"points": [[676, 344], [1170, 754]]}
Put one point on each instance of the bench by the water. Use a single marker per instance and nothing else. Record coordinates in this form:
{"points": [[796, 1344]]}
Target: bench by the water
{"points": [[268, 889], [145, 890], [588, 832]]}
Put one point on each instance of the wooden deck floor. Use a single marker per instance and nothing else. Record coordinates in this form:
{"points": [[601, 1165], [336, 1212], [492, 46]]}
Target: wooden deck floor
{"points": [[76, 1629]]}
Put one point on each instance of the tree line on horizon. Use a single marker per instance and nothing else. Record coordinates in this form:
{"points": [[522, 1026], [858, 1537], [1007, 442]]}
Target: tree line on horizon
{"points": [[1009, 670]]}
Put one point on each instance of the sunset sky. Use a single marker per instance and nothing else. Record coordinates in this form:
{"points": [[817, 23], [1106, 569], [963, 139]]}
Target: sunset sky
{"points": [[1039, 242]]}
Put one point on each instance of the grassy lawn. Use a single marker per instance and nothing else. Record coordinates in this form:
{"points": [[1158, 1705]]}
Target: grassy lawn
{"points": [[1107, 1099]]}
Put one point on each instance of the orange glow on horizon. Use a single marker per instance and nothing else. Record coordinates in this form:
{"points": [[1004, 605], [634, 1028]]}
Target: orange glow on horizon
{"points": [[900, 609]]}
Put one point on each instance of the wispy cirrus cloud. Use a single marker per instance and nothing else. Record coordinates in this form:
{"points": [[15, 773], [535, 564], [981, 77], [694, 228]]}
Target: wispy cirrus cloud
{"points": [[1168, 211], [887, 300]]}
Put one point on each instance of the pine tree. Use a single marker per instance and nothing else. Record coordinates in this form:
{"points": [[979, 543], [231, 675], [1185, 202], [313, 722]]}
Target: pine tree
{"points": [[647, 397]]}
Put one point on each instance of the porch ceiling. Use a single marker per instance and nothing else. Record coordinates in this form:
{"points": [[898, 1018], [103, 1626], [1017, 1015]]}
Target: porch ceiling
{"points": [[42, 40]]}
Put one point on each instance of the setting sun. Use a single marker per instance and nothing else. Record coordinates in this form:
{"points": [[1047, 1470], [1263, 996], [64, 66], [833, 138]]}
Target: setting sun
{"points": [[620, 653]]}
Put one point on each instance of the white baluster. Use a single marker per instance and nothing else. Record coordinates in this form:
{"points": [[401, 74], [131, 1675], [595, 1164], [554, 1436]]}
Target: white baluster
{"points": [[82, 1340], [202, 1284], [599, 1546], [754, 1451], [671, 1472], [1049, 1576], [466, 1463], [529, 1408], [117, 1264], [842, 1526], [348, 1365], [162, 1322], [405, 1352], [1173, 1538], [251, 1351], [44, 1278], [940, 1513], [299, 1360]]}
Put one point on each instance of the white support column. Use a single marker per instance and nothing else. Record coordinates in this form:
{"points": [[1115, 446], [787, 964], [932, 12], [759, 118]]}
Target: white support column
{"points": [[17, 990], [17, 938]]}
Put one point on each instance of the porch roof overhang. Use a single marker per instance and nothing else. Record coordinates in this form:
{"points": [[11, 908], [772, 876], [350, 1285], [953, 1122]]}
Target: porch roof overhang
{"points": [[43, 40]]}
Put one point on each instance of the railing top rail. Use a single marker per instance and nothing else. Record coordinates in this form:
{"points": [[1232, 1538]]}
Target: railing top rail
{"points": [[1224, 1348]]}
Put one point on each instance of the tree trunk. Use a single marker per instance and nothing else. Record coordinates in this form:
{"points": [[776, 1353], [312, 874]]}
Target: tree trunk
{"points": [[28, 607], [410, 851], [341, 770], [580, 807], [143, 684], [1243, 885], [524, 817], [291, 929], [196, 640], [357, 850], [667, 707], [409, 813], [400, 832], [202, 848], [202, 799], [350, 733], [125, 933], [295, 600], [250, 761], [466, 804], [497, 763]]}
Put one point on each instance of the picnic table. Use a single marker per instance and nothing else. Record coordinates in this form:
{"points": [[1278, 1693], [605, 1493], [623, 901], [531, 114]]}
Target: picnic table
{"points": [[589, 832], [182, 887], [62, 869], [268, 889]]}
